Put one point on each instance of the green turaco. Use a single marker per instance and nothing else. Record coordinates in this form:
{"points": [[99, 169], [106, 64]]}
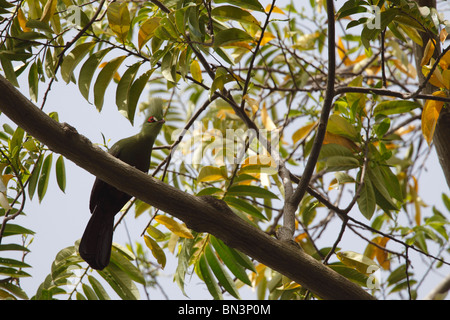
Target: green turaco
{"points": [[106, 201]]}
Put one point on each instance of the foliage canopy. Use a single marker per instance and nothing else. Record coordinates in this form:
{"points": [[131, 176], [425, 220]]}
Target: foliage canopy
{"points": [[245, 84]]}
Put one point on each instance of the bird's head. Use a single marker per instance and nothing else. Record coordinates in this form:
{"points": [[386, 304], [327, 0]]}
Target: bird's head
{"points": [[154, 116], [155, 111]]}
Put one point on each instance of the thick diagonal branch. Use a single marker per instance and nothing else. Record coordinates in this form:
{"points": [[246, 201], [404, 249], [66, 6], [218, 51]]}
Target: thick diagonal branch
{"points": [[203, 214]]}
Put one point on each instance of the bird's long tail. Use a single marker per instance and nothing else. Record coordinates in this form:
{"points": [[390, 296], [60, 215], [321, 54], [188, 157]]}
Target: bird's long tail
{"points": [[95, 245]]}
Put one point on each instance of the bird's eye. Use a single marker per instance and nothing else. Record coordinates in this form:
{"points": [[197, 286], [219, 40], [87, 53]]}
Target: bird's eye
{"points": [[151, 119]]}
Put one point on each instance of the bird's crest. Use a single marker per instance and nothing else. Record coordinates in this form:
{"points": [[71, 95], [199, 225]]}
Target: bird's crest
{"points": [[155, 108]]}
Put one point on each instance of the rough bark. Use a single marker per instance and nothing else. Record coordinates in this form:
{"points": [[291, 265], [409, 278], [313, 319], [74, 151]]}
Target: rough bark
{"points": [[202, 214], [442, 131]]}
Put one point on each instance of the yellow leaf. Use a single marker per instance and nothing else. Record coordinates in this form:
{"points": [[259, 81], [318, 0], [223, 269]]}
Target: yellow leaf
{"points": [[239, 44], [382, 255], [412, 33], [173, 242], [210, 173], [177, 228], [301, 237], [257, 164], [444, 63], [443, 35], [267, 120], [430, 115], [360, 58], [196, 71], [266, 38], [223, 112], [157, 252], [337, 139], [418, 214], [435, 81], [146, 30], [307, 41], [402, 131], [357, 261], [252, 103], [274, 10], [4, 203], [428, 53], [49, 10], [22, 21], [303, 132], [342, 51], [6, 178], [409, 70], [446, 78], [119, 19]]}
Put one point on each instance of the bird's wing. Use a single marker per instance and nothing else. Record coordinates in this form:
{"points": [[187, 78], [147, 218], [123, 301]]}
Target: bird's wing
{"points": [[100, 188]]}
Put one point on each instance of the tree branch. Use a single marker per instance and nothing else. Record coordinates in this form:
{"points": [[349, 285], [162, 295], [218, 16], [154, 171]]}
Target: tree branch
{"points": [[203, 214], [327, 104]]}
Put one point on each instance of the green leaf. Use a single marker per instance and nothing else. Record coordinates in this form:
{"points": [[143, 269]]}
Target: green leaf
{"points": [[33, 82], [135, 92], [98, 288], [366, 200], [228, 257], [89, 292], [87, 71], [14, 273], [341, 163], [13, 263], [446, 201], [147, 30], [382, 127], [229, 36], [155, 233], [246, 4], [15, 290], [168, 66], [382, 196], [395, 107], [244, 207], [220, 272], [251, 191], [13, 247], [209, 191], [340, 126], [104, 78], [123, 89], [14, 229], [157, 252], [119, 19], [372, 31], [120, 282], [351, 274], [234, 13], [8, 70], [61, 173], [187, 249], [357, 261], [126, 266], [44, 176], [71, 61], [334, 150], [412, 33], [208, 278], [211, 173]]}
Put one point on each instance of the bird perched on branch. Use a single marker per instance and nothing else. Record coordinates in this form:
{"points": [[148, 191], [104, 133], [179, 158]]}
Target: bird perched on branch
{"points": [[106, 200]]}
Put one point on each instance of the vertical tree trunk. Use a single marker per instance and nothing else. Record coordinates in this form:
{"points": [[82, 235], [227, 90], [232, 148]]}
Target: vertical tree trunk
{"points": [[442, 133]]}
